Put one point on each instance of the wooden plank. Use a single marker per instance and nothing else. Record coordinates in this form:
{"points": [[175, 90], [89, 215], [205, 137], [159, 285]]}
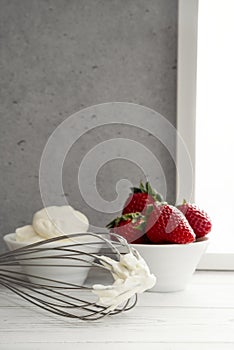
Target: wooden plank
{"points": [[140, 333], [201, 317], [155, 325], [12, 320], [119, 345]]}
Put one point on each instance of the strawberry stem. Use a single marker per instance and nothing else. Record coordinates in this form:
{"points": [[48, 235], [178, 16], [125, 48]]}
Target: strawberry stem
{"points": [[133, 216], [149, 190]]}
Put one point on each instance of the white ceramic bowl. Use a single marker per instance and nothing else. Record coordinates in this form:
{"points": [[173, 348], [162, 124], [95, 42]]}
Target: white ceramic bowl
{"points": [[59, 272], [172, 264]]}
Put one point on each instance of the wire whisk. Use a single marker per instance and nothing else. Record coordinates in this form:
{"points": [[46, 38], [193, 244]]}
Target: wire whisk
{"points": [[54, 275]]}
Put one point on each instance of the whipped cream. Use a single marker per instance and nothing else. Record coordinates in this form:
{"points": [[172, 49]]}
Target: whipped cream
{"points": [[56, 221], [52, 222], [26, 234], [131, 275]]}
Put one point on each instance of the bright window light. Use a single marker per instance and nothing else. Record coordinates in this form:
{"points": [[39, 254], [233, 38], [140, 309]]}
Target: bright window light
{"points": [[214, 188]]}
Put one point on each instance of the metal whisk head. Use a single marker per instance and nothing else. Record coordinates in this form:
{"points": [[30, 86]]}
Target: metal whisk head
{"points": [[52, 274]]}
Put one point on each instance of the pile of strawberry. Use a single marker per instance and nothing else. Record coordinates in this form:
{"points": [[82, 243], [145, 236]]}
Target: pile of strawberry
{"points": [[147, 219]]}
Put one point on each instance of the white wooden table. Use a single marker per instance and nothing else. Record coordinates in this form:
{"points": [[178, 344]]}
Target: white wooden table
{"points": [[201, 317]]}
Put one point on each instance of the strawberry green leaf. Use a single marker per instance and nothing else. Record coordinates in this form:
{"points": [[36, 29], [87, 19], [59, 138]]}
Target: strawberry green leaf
{"points": [[158, 197], [142, 187], [114, 222], [149, 209], [136, 190], [149, 190], [133, 216]]}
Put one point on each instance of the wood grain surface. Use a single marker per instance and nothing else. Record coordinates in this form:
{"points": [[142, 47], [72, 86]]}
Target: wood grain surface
{"points": [[201, 317]]}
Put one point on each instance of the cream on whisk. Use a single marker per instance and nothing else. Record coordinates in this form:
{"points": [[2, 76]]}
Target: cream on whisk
{"points": [[131, 275]]}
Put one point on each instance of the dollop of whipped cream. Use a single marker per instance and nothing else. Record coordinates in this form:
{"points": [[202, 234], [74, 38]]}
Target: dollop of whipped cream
{"points": [[52, 222], [131, 275], [27, 234]]}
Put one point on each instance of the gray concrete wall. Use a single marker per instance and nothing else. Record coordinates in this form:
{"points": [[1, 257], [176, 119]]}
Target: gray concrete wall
{"points": [[59, 56]]}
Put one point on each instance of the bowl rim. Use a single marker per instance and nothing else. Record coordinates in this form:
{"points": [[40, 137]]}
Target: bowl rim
{"points": [[9, 238], [199, 241]]}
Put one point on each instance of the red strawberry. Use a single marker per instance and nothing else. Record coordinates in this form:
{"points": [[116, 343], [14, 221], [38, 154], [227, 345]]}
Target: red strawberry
{"points": [[140, 198], [197, 218], [129, 226], [166, 224]]}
